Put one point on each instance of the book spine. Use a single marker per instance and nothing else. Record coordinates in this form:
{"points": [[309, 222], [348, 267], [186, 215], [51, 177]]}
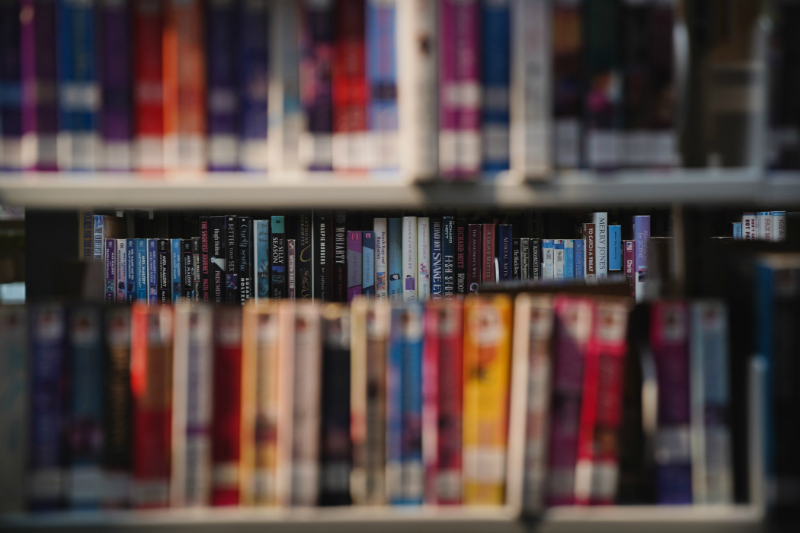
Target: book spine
{"points": [[244, 258], [423, 259], [394, 256], [278, 258], [536, 270], [117, 413], [10, 86], [569, 258], [394, 410], [462, 286], [448, 90], [188, 271], [305, 258], [148, 99], [141, 270], [600, 221], [474, 256], [430, 400], [450, 377], [116, 117], [436, 259], [85, 216], [505, 252], [340, 256], [111, 270], [630, 260], [225, 423], [558, 259], [495, 60], [448, 258], [530, 99], [231, 260], [47, 479], [568, 47], [197, 269], [580, 258], [223, 103], [410, 264], [261, 259], [488, 274], [39, 85], [349, 86], [418, 52], [176, 266], [548, 259], [410, 329], [381, 72], [78, 143], [130, 270], [669, 341], [152, 271], [164, 271], [468, 70], [368, 263], [322, 258], [779, 226], [253, 79], [99, 243], [591, 252], [749, 228], [354, 258], [641, 237], [381, 264], [614, 247], [216, 260], [205, 261], [122, 271], [315, 86], [737, 231], [525, 259], [291, 269]]}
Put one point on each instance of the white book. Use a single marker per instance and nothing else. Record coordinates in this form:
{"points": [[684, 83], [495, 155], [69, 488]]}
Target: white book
{"points": [[410, 266], [779, 226], [749, 227], [381, 279], [423, 258], [548, 259], [764, 225], [14, 406], [417, 38], [600, 221], [558, 258], [190, 485], [531, 128]]}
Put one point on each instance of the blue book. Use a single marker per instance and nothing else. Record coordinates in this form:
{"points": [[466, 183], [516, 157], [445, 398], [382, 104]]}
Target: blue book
{"points": [[152, 271], [381, 63], [505, 253], [10, 86], [47, 417], [176, 270], [141, 270], [496, 77], [130, 274], [78, 86], [395, 259], [579, 245], [548, 259], [737, 230], [394, 410], [569, 258], [449, 257], [615, 247], [437, 267], [368, 263], [253, 84], [261, 260], [223, 95], [278, 257], [84, 488]]}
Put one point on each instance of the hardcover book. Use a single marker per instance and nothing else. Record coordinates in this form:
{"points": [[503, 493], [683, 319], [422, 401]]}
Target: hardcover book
{"points": [[505, 252], [475, 246], [381, 263], [368, 263], [525, 259], [277, 258], [261, 260], [488, 274], [381, 73], [614, 247], [495, 61], [600, 221], [253, 84], [394, 256], [223, 105], [467, 31], [148, 79], [536, 262], [354, 265], [116, 78], [641, 237]]}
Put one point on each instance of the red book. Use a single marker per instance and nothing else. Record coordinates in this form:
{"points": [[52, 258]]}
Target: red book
{"points": [[151, 388], [488, 254], [474, 247], [597, 467], [225, 425], [349, 83], [148, 99]]}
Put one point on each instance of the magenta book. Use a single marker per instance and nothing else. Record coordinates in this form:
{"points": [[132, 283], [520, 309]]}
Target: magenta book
{"points": [[448, 90]]}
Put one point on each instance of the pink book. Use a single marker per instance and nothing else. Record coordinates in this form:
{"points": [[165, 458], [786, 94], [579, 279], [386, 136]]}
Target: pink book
{"points": [[630, 257], [467, 44], [448, 90]]}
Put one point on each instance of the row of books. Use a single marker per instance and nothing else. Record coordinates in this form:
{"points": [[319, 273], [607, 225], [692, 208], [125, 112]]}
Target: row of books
{"points": [[487, 400], [762, 226], [236, 258], [428, 88]]}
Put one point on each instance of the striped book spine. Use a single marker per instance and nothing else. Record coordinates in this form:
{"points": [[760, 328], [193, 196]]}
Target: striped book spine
{"points": [[148, 85], [116, 120], [382, 110], [448, 90], [10, 87], [496, 78], [253, 84], [222, 97], [468, 91]]}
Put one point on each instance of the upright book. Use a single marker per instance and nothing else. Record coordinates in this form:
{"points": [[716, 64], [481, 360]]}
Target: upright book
{"points": [[253, 84], [222, 108], [11, 96], [278, 258], [148, 94], [423, 258], [410, 266], [381, 262], [495, 61], [118, 433], [368, 263], [304, 258], [354, 264], [116, 78], [15, 412], [394, 258], [323, 280], [381, 72]]}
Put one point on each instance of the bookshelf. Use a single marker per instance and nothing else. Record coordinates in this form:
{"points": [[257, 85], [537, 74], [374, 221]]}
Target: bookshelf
{"points": [[288, 190]]}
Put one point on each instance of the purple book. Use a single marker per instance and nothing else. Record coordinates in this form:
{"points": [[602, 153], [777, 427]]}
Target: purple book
{"points": [[448, 90], [468, 79], [223, 101], [316, 93], [10, 87], [116, 122], [39, 89], [253, 85], [641, 238], [111, 270], [353, 265]]}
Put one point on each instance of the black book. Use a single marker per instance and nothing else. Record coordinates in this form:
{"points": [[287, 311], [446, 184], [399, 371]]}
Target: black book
{"points": [[461, 256], [340, 256], [231, 260], [204, 293], [535, 253], [304, 258], [449, 256], [322, 257], [216, 260], [244, 262], [516, 273], [117, 401], [187, 270], [164, 271], [277, 255], [196, 255]]}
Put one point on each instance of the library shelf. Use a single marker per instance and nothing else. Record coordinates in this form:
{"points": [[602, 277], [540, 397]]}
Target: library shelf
{"points": [[325, 190]]}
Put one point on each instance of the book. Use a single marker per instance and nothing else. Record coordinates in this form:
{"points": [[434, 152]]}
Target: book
{"points": [[641, 238], [335, 448], [467, 29], [381, 263], [231, 259], [11, 97], [381, 73], [536, 259], [448, 90], [558, 259], [277, 254], [410, 267], [192, 400], [590, 251], [567, 43], [151, 389], [117, 427], [614, 247], [105, 227], [461, 249], [131, 270], [187, 285], [291, 270], [600, 221], [394, 254], [580, 258], [141, 271], [197, 268], [436, 259], [548, 259], [495, 64], [505, 252], [122, 271], [322, 258], [339, 256], [261, 259], [111, 270], [368, 263], [486, 366], [78, 141], [226, 365], [569, 258], [217, 259], [316, 92], [764, 222], [779, 226], [349, 81], [525, 259], [354, 264], [204, 273], [175, 265], [253, 84], [152, 271], [749, 229], [164, 271], [448, 258], [418, 43], [474, 248], [148, 80], [116, 85], [423, 258], [630, 259], [15, 414], [305, 258], [369, 333], [223, 106], [244, 258]]}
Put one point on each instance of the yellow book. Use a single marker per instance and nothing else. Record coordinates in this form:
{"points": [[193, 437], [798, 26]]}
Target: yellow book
{"points": [[487, 360]]}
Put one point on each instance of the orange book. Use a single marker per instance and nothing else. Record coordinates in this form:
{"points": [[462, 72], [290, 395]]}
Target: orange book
{"points": [[184, 86], [487, 361]]}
